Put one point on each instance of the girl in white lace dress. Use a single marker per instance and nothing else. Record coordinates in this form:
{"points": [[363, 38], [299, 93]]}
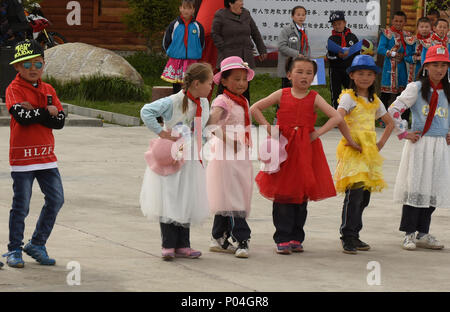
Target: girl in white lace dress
{"points": [[423, 177], [177, 198]]}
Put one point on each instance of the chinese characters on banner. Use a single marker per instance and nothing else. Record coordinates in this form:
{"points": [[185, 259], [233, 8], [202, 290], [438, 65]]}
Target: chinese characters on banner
{"points": [[272, 15]]}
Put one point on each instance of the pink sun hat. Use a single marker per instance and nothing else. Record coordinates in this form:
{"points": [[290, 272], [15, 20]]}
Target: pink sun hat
{"points": [[160, 157], [233, 62], [272, 164]]}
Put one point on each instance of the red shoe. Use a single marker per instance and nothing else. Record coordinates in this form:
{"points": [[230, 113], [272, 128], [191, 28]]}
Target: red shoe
{"points": [[187, 253], [284, 248], [296, 246], [168, 253]]}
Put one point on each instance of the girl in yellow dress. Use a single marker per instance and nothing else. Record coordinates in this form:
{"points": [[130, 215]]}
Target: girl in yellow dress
{"points": [[359, 164]]}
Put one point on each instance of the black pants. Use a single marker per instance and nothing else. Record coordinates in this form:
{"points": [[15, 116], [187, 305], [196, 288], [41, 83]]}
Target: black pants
{"points": [[234, 227], [174, 236], [389, 98], [416, 219], [289, 220], [338, 78], [354, 203]]}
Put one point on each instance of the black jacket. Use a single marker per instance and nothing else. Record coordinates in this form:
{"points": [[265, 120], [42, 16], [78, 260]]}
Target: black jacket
{"points": [[337, 62]]}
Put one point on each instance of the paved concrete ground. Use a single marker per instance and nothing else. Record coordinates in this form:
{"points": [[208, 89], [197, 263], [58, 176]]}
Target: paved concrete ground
{"points": [[101, 227]]}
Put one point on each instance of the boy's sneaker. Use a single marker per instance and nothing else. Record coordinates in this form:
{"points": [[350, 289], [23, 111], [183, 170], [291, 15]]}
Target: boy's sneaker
{"points": [[296, 246], [14, 259], [187, 253], [38, 253], [242, 250], [284, 248], [1, 264], [360, 245], [221, 245], [348, 245], [429, 241], [409, 243]]}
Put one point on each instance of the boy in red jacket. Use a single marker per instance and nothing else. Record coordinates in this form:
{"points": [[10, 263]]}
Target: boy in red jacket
{"points": [[35, 111]]}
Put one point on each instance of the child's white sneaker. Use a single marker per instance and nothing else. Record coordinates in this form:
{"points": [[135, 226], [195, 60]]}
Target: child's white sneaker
{"points": [[429, 241], [242, 250], [221, 245], [410, 242]]}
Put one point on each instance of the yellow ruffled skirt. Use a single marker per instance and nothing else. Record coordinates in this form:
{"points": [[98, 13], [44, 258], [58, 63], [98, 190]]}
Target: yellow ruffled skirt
{"points": [[356, 167]]}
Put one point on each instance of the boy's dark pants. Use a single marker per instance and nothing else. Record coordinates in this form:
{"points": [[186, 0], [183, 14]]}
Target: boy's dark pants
{"points": [[235, 227], [338, 78], [174, 236], [416, 219], [354, 203], [289, 220], [51, 186]]}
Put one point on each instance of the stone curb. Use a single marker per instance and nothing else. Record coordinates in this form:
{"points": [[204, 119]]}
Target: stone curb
{"points": [[110, 117]]}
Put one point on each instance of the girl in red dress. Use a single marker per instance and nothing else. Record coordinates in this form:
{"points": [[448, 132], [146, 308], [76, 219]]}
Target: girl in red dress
{"points": [[305, 174]]}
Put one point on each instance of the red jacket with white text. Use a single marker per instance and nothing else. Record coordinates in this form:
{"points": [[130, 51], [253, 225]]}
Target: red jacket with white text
{"points": [[31, 140]]}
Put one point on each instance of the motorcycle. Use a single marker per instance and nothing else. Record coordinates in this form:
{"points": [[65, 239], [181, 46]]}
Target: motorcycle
{"points": [[39, 24]]}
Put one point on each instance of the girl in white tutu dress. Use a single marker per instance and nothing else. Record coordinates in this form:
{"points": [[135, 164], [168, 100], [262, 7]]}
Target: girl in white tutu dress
{"points": [[423, 177], [174, 187]]}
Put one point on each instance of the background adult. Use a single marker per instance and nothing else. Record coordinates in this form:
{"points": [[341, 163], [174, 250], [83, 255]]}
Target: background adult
{"points": [[233, 30]]}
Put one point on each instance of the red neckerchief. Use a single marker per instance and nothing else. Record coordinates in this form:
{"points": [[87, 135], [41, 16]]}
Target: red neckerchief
{"points": [[241, 101], [186, 31], [342, 35], [420, 37], [443, 41], [402, 38], [197, 125], [433, 105], [304, 42]]}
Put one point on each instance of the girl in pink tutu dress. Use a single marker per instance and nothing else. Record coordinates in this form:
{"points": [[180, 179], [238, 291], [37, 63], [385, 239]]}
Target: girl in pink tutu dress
{"points": [[229, 175], [183, 42], [305, 174]]}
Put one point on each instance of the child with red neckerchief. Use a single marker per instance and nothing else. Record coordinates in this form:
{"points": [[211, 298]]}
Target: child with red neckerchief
{"points": [[424, 172], [229, 175], [342, 36], [393, 47], [415, 45], [183, 43]]}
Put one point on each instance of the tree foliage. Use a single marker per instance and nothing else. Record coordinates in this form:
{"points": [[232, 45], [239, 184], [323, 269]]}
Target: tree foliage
{"points": [[439, 5], [151, 17]]}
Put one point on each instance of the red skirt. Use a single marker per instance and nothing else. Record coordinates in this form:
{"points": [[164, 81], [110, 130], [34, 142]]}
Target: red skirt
{"points": [[305, 174]]}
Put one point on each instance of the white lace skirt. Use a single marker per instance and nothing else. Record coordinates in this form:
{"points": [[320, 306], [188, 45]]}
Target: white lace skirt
{"points": [[179, 198], [423, 177]]}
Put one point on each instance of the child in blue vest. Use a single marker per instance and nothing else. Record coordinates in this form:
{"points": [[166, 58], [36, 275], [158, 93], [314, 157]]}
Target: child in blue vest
{"points": [[416, 45], [183, 42], [424, 171], [392, 46]]}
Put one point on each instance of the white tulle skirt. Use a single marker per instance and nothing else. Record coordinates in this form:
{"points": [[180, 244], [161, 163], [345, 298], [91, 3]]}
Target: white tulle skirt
{"points": [[179, 198], [423, 177]]}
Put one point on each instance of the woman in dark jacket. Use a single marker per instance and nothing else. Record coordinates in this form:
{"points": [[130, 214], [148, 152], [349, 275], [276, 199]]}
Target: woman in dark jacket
{"points": [[232, 31]]}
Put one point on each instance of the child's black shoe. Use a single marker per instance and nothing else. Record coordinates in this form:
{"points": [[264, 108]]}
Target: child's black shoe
{"points": [[348, 245]]}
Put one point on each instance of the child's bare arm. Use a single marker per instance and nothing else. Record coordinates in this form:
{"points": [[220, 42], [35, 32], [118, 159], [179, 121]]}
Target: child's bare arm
{"points": [[334, 117], [257, 108], [390, 125]]}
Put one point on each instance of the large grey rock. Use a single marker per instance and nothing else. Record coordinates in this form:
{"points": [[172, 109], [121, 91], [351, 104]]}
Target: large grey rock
{"points": [[71, 61]]}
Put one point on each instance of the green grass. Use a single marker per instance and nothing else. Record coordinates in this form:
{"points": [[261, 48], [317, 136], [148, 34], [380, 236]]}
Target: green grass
{"points": [[119, 96]]}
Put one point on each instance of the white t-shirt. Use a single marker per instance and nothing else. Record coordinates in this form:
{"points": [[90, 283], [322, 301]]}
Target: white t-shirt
{"points": [[348, 104]]}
